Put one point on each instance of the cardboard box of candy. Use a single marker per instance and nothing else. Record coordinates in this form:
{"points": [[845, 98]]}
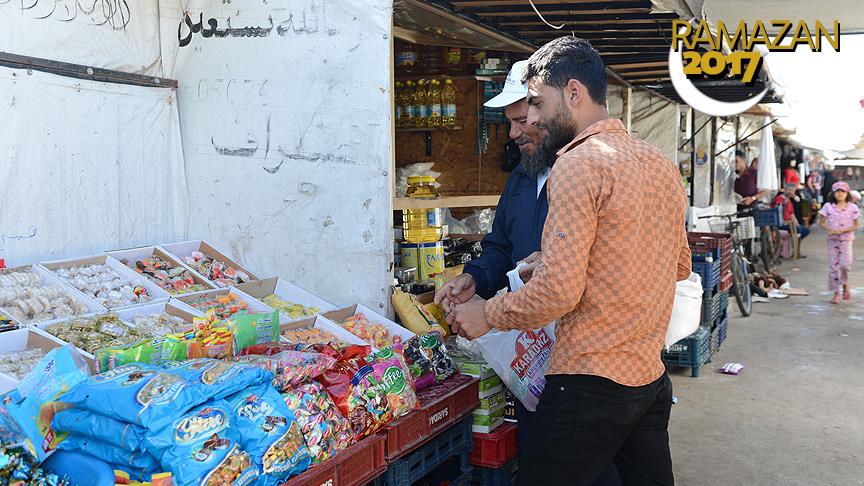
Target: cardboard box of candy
{"points": [[210, 263], [368, 325], [317, 330], [292, 302], [20, 351], [32, 295], [161, 268]]}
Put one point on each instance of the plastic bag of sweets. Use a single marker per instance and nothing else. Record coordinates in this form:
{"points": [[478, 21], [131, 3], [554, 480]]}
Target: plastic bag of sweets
{"points": [[151, 396], [268, 432], [32, 404], [290, 368], [199, 448], [139, 459], [153, 351], [397, 350], [252, 329], [88, 424], [325, 429], [396, 382], [428, 351]]}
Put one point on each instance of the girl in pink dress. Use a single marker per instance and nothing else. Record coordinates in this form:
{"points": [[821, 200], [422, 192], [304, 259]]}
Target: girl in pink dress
{"points": [[840, 219]]}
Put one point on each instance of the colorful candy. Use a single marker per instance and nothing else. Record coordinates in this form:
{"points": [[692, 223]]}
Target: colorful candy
{"points": [[166, 274], [104, 285], [223, 305], [103, 331], [290, 309], [371, 332], [325, 429], [214, 270], [311, 335]]}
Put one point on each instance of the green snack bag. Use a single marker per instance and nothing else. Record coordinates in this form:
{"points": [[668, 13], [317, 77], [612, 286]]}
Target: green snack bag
{"points": [[252, 329], [151, 351]]}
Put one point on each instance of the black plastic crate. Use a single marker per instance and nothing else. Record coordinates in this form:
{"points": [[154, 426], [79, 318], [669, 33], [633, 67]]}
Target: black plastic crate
{"points": [[691, 352], [718, 335], [502, 476], [455, 441]]}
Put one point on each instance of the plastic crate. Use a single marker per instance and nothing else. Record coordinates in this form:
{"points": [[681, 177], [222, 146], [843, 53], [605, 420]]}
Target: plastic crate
{"points": [[455, 441], [705, 254], [710, 308], [355, 466], [726, 281], [495, 449], [691, 352], [501, 476], [718, 335], [700, 242], [768, 216], [710, 273], [441, 405]]}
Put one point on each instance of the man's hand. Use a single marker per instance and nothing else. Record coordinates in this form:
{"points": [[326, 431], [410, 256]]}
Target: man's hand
{"points": [[747, 201], [457, 291], [532, 261], [469, 319]]}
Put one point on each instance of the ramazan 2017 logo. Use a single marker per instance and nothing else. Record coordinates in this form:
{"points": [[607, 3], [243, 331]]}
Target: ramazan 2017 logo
{"points": [[732, 54]]}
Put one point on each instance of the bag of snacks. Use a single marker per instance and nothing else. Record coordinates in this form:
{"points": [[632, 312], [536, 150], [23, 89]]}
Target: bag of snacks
{"points": [[151, 396], [427, 355], [198, 447], [325, 429], [396, 382], [152, 351], [290, 368], [267, 431], [83, 423], [252, 329], [18, 457], [139, 459]]}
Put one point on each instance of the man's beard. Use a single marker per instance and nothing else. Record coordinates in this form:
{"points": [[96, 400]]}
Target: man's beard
{"points": [[559, 130], [538, 162]]}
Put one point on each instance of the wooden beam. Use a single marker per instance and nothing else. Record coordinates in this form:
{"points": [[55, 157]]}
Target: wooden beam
{"points": [[558, 13], [638, 65], [648, 80], [600, 34], [628, 26], [576, 15], [80, 71], [519, 3], [631, 74], [487, 201]]}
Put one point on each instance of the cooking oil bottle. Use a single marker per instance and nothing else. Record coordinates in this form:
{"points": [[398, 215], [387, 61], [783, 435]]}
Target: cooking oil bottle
{"points": [[448, 105], [422, 225], [410, 107], [423, 104], [434, 100], [400, 106]]}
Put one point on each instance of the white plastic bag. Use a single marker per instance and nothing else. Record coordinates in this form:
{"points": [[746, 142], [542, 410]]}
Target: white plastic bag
{"points": [[520, 358], [686, 309]]}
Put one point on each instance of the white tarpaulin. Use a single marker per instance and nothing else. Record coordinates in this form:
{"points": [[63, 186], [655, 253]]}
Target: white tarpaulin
{"points": [[766, 176], [285, 110], [655, 120], [113, 34], [87, 167]]}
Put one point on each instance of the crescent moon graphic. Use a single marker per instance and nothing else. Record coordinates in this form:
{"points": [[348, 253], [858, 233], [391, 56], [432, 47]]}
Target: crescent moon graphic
{"points": [[698, 100]]}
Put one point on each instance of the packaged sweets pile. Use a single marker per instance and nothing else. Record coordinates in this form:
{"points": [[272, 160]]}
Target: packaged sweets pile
{"points": [[166, 274], [26, 298], [290, 309], [373, 333], [104, 285], [216, 271], [222, 305]]}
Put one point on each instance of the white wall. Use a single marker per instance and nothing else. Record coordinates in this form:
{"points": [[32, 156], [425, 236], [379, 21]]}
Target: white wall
{"points": [[287, 138]]}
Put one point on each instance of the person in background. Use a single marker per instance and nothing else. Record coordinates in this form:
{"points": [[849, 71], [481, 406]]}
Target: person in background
{"points": [[787, 199], [518, 225], [745, 184], [607, 397], [840, 218], [812, 197], [790, 174]]}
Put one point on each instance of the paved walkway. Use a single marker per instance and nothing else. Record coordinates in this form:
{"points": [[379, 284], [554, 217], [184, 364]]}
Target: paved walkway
{"points": [[795, 415]]}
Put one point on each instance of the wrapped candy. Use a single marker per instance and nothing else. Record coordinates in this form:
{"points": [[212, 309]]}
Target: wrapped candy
{"points": [[290, 309], [166, 274], [25, 298], [103, 331], [372, 332], [312, 335], [325, 429], [104, 285], [18, 364], [215, 271], [223, 305]]}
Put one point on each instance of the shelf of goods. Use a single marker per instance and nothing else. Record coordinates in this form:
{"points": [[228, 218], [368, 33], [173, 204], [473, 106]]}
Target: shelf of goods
{"points": [[400, 203]]}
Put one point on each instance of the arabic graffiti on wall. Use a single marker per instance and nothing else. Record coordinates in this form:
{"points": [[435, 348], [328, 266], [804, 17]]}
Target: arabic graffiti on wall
{"points": [[115, 14], [297, 23]]}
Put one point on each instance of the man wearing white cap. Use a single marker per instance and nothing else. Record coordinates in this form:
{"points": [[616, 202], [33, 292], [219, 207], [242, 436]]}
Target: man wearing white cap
{"points": [[519, 220]]}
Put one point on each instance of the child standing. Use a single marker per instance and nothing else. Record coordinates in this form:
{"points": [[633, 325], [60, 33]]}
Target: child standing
{"points": [[839, 217]]}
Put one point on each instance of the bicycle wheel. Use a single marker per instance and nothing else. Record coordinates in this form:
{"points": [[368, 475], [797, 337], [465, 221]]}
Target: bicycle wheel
{"points": [[741, 284], [767, 251]]}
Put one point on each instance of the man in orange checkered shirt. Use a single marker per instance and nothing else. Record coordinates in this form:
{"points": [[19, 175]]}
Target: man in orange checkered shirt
{"points": [[614, 245]]}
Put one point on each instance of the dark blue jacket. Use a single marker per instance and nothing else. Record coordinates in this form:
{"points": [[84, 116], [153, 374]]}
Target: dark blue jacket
{"points": [[516, 233]]}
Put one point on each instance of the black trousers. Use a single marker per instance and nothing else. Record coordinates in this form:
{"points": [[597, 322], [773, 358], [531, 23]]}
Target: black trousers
{"points": [[585, 422]]}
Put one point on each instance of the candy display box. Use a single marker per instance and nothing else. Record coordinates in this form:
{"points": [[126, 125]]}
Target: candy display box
{"points": [[254, 306], [171, 308], [183, 249], [48, 279], [394, 329], [288, 292], [20, 340], [319, 322], [491, 386], [135, 254]]}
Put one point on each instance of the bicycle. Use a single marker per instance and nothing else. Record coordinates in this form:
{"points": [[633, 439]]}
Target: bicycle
{"points": [[740, 264]]}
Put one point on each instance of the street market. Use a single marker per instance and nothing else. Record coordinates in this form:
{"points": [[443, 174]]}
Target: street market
{"points": [[462, 242]]}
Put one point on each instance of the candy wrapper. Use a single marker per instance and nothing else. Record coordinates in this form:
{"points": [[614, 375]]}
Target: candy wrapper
{"points": [[397, 384], [372, 332], [25, 297], [312, 335], [139, 459], [252, 329], [18, 364], [32, 403], [83, 423], [173, 278], [426, 355], [152, 396], [268, 433], [105, 331], [325, 429], [17, 464], [290, 368], [290, 309], [199, 447], [104, 285], [216, 271], [223, 305], [154, 351]]}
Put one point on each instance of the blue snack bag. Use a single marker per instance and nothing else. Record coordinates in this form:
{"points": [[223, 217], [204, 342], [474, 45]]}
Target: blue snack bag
{"points": [[152, 396], [198, 448], [268, 431], [109, 453], [88, 424]]}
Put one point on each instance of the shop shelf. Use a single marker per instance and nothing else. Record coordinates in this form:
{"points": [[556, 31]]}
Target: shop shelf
{"points": [[495, 449], [501, 476], [691, 352], [441, 406], [355, 466], [455, 441], [488, 201]]}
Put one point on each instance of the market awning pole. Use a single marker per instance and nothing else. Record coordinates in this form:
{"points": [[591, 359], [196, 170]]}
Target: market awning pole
{"points": [[695, 132], [749, 135], [692, 156]]}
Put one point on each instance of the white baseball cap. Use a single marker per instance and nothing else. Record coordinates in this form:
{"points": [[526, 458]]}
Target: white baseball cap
{"points": [[514, 90]]}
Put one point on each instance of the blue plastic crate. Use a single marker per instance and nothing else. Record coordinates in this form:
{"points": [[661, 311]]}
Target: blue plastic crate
{"points": [[710, 273], [455, 441], [768, 216], [691, 352], [502, 476], [718, 335], [713, 307], [703, 254]]}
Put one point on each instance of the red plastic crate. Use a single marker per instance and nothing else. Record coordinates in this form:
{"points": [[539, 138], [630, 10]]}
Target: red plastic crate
{"points": [[495, 449], [355, 466], [726, 282], [441, 406]]}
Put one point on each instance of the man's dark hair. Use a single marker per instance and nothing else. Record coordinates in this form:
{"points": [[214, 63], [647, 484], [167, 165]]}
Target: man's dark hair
{"points": [[740, 153], [568, 58]]}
